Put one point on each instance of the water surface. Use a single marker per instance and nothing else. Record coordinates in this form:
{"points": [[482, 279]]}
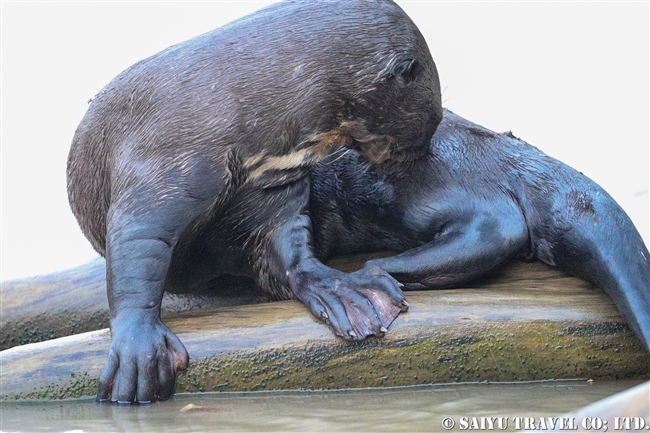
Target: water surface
{"points": [[411, 409]]}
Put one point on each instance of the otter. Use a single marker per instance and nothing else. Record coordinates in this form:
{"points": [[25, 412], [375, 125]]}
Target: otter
{"points": [[194, 162], [477, 199]]}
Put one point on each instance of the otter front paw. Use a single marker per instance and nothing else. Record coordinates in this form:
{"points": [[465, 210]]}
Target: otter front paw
{"points": [[142, 364], [354, 305]]}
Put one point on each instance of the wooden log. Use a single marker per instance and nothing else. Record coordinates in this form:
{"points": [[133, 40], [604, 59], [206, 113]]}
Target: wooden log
{"points": [[74, 301], [523, 322]]}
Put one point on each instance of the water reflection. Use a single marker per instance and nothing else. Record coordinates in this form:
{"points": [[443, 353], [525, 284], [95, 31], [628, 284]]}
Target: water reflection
{"points": [[398, 409]]}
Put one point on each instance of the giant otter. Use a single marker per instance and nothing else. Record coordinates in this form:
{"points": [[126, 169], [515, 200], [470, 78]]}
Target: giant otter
{"points": [[194, 162], [477, 199]]}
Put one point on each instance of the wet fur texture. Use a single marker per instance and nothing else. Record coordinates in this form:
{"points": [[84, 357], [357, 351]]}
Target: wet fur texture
{"points": [[476, 200], [195, 161]]}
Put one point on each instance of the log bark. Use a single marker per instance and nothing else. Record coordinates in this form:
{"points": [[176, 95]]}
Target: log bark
{"points": [[522, 322], [74, 301]]}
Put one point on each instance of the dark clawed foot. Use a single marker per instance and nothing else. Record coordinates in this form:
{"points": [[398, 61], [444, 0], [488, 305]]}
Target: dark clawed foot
{"points": [[355, 305], [387, 298], [142, 364]]}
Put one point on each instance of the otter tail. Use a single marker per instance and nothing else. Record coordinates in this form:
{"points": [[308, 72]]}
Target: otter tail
{"points": [[594, 239]]}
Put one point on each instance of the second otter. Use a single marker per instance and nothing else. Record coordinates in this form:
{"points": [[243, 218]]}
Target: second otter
{"points": [[476, 200]]}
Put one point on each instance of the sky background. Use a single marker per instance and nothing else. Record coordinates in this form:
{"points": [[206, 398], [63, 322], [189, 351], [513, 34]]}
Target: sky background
{"points": [[569, 78]]}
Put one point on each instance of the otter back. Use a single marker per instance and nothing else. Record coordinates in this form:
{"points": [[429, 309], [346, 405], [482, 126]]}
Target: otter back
{"points": [[270, 85]]}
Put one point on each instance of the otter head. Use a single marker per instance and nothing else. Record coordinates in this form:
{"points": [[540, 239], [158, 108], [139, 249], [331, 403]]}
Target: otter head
{"points": [[395, 116], [392, 102], [359, 74]]}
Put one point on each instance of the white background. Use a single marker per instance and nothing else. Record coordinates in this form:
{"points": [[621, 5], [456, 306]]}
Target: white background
{"points": [[569, 78]]}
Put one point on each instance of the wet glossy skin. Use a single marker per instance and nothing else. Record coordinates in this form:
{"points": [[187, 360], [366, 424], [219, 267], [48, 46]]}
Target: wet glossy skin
{"points": [[194, 162], [478, 199]]}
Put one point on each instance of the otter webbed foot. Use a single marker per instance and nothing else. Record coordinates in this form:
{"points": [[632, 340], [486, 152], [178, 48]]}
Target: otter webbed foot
{"points": [[143, 361], [354, 305]]}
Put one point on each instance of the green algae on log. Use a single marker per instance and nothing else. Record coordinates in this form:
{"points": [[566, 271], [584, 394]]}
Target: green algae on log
{"points": [[525, 322]]}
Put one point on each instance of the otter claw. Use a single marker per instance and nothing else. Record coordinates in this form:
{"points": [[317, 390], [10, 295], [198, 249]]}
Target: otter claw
{"points": [[353, 335], [400, 285], [383, 330]]}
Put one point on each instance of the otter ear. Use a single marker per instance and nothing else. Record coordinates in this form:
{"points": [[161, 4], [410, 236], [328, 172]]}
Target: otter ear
{"points": [[406, 71]]}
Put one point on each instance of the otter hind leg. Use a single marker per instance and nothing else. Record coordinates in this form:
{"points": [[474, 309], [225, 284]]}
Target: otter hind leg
{"points": [[470, 245]]}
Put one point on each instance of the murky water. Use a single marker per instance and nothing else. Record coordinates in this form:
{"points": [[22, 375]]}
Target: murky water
{"points": [[398, 409]]}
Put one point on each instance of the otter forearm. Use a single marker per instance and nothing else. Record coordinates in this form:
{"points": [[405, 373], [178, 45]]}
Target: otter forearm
{"points": [[355, 305]]}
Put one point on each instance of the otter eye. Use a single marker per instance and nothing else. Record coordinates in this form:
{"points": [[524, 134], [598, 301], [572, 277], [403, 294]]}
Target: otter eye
{"points": [[406, 71]]}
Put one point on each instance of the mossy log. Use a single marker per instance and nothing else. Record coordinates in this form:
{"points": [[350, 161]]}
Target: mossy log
{"points": [[522, 322]]}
